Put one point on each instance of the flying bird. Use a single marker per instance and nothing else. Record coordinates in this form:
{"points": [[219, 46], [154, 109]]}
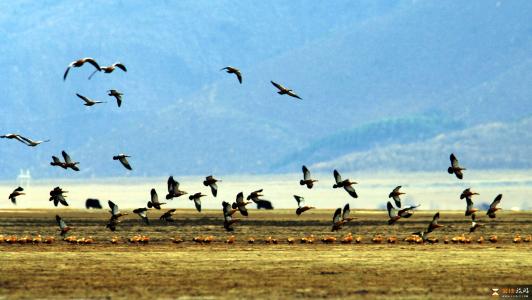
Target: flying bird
{"points": [[395, 195], [57, 196], [173, 189], [301, 209], [232, 70], [197, 200], [88, 101], [455, 167], [69, 163], [24, 140], [240, 204], [228, 212], [432, 226], [16, 192], [340, 218], [122, 158], [285, 91], [167, 216], [143, 214], [211, 181], [396, 214], [63, 227], [154, 201], [467, 193], [115, 216], [80, 62], [493, 206], [110, 69], [309, 182], [346, 184], [254, 196], [118, 96]]}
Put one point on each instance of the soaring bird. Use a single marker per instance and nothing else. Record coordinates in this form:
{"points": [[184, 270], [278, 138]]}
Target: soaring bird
{"points": [[16, 192], [240, 204], [56, 195], [474, 224], [118, 96], [228, 216], [167, 216], [396, 214], [88, 101], [69, 163], [346, 184], [173, 189], [63, 227], [211, 181], [301, 209], [285, 91], [493, 206], [197, 200], [122, 158], [24, 140], [143, 214], [467, 193], [115, 215], [309, 182], [455, 167], [110, 69], [340, 218], [395, 195], [80, 62], [154, 200], [432, 226], [254, 196], [233, 70], [469, 208]]}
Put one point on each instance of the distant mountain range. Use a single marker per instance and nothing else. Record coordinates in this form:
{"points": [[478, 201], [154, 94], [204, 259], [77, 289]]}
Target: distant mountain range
{"points": [[385, 84]]}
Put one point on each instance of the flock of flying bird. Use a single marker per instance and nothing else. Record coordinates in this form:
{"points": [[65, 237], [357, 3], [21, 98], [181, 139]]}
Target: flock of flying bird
{"points": [[340, 216]]}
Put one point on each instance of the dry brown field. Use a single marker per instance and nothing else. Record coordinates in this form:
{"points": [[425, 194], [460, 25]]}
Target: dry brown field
{"points": [[189, 270]]}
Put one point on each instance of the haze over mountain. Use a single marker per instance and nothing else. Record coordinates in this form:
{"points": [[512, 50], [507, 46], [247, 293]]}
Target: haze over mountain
{"points": [[383, 82]]}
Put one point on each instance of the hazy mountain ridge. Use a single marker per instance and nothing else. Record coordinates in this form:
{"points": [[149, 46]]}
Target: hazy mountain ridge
{"points": [[353, 64]]}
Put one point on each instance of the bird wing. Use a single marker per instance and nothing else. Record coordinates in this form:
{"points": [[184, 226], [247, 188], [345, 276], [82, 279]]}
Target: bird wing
{"points": [[336, 216], [240, 198], [396, 190], [397, 200], [496, 201], [454, 161], [434, 221], [67, 158], [299, 200], [124, 162], [392, 212], [154, 197], [306, 173], [351, 191], [238, 75], [469, 204], [346, 212], [226, 208], [294, 95], [92, 62], [114, 208], [87, 100], [280, 87], [20, 189], [197, 203], [243, 210], [172, 185], [214, 189], [56, 159], [66, 73], [60, 222], [337, 176], [120, 66], [459, 174]]}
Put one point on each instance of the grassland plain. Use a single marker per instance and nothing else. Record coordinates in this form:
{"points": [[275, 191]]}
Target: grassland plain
{"points": [[163, 270]]}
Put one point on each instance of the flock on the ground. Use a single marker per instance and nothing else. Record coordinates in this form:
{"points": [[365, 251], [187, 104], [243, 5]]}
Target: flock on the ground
{"points": [[340, 218]]}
